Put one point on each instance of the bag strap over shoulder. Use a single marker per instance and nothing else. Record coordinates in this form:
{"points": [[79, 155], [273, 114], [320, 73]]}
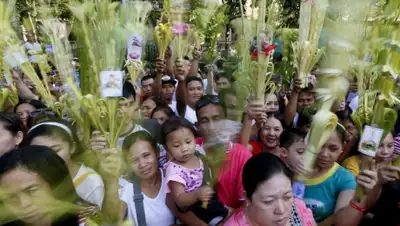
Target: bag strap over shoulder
{"points": [[138, 200]]}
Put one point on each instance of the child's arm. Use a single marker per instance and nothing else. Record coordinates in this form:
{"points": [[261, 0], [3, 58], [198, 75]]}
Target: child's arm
{"points": [[184, 199]]}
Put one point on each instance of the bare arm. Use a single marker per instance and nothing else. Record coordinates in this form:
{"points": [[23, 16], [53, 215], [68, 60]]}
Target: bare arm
{"points": [[169, 64], [253, 111], [180, 196], [347, 215], [23, 91], [245, 131], [210, 81], [160, 68], [181, 91], [113, 207], [291, 108], [194, 66]]}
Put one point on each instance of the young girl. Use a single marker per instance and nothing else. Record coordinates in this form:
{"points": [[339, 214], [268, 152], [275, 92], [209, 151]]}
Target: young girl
{"points": [[184, 173]]}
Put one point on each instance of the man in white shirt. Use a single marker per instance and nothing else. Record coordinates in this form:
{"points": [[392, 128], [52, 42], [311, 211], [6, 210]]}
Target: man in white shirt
{"points": [[167, 91], [193, 91]]}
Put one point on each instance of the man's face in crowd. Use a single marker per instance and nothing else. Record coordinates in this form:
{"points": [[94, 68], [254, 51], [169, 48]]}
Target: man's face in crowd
{"points": [[147, 86], [129, 107], [195, 91], [167, 91], [232, 111], [223, 83], [306, 99], [208, 118], [29, 37]]}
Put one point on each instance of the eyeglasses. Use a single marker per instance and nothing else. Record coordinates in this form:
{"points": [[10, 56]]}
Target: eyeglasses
{"points": [[42, 111], [206, 100]]}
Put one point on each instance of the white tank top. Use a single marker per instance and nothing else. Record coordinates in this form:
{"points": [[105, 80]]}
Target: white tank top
{"points": [[156, 211]]}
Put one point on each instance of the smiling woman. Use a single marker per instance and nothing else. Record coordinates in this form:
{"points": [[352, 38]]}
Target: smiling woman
{"points": [[141, 155], [269, 136]]}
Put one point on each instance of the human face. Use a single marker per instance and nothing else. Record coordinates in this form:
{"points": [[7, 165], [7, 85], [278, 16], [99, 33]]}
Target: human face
{"points": [[271, 101], [160, 116], [351, 133], [194, 92], [330, 152], [208, 118], [271, 132], [8, 141], [147, 86], [57, 144], [23, 112], [181, 144], [29, 37], [143, 159], [306, 99], [271, 203], [223, 83], [128, 107], [295, 153], [386, 148], [148, 107], [167, 91], [27, 196], [232, 112]]}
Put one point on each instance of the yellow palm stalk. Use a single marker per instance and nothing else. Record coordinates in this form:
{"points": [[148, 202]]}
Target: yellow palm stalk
{"points": [[306, 52], [4, 95], [181, 45], [104, 24], [6, 12], [163, 36]]}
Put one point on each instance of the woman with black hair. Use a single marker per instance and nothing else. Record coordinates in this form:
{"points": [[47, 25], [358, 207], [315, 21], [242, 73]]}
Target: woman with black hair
{"points": [[162, 113], [24, 109], [269, 197], [11, 132], [329, 191], [269, 135], [61, 138], [37, 188]]}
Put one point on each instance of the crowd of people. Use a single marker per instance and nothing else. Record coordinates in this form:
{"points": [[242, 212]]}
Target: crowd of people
{"points": [[158, 174], [191, 150]]}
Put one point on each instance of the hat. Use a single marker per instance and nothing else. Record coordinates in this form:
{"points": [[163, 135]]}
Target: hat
{"points": [[167, 79]]}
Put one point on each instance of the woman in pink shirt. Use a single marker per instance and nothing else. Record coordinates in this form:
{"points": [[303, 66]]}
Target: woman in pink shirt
{"points": [[269, 197]]}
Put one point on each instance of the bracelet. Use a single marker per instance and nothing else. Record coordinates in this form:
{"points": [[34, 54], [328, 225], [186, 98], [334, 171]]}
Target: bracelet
{"points": [[356, 207]]}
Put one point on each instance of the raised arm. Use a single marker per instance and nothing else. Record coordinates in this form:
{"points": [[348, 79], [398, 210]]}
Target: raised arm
{"points": [[23, 91], [180, 75], [349, 211], [291, 107], [194, 66], [253, 112], [160, 69]]}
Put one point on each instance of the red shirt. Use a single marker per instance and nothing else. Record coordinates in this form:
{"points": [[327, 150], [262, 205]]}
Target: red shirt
{"points": [[256, 147], [229, 185]]}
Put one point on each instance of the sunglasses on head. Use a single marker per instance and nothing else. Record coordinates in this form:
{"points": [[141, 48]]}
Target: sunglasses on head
{"points": [[42, 111], [206, 100], [165, 78]]}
